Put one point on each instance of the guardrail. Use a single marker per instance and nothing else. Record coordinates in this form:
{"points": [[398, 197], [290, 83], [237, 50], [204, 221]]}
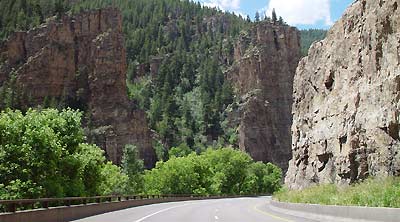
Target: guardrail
{"points": [[73, 208], [11, 206]]}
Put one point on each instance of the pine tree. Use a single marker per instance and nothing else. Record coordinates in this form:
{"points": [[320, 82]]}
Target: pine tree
{"points": [[280, 21], [274, 17], [257, 17]]}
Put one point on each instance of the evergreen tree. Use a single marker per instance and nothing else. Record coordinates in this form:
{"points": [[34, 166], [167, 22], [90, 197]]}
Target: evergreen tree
{"points": [[274, 17], [280, 21], [257, 17]]}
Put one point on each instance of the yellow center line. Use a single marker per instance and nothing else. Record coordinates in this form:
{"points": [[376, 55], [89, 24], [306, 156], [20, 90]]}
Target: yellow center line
{"points": [[271, 215]]}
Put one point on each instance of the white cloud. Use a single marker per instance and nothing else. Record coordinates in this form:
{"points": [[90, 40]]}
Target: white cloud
{"points": [[302, 12], [223, 4]]}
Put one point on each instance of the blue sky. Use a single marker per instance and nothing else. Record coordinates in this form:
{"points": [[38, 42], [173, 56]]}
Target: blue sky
{"points": [[300, 13]]}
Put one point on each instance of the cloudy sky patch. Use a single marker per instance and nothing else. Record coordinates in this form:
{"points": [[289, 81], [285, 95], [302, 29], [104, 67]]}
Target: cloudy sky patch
{"points": [[230, 5], [300, 13]]}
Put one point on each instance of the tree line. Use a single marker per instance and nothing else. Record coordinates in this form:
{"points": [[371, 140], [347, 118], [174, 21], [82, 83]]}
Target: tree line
{"points": [[43, 154]]}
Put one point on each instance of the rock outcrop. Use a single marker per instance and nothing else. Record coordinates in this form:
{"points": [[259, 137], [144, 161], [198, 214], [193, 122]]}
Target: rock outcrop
{"points": [[347, 100], [80, 62], [266, 60]]}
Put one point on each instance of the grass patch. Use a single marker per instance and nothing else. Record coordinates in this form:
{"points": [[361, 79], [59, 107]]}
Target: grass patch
{"points": [[373, 192]]}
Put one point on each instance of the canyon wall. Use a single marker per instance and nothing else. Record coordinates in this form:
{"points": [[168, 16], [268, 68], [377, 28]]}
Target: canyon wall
{"points": [[80, 62], [347, 100], [265, 62]]}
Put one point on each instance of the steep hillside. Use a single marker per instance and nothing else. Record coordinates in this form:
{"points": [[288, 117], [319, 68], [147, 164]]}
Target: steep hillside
{"points": [[308, 37], [77, 62], [22, 15], [347, 100], [265, 62], [179, 56], [177, 52]]}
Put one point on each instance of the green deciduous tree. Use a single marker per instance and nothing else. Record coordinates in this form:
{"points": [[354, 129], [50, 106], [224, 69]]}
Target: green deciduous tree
{"points": [[180, 151], [133, 167], [114, 181], [43, 154], [221, 171]]}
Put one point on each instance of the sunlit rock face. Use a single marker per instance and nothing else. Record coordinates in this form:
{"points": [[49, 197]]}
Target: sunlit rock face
{"points": [[80, 61], [347, 100], [265, 62]]}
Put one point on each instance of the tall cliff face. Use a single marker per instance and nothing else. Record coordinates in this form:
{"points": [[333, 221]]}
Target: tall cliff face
{"points": [[266, 60], [347, 100], [80, 61]]}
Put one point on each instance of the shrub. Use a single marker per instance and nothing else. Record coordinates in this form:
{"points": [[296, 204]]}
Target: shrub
{"points": [[373, 192], [221, 171]]}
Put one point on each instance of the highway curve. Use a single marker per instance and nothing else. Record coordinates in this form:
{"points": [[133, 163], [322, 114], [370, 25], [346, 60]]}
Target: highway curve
{"points": [[255, 209]]}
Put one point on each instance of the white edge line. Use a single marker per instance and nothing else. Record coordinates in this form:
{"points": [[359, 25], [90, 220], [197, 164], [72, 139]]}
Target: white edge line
{"points": [[160, 211]]}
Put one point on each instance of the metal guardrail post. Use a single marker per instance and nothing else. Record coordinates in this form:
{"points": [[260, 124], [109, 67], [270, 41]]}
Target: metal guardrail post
{"points": [[12, 207], [45, 204]]}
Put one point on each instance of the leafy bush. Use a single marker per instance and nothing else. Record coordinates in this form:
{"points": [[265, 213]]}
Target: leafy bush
{"points": [[180, 151], [114, 182], [43, 154], [221, 171], [373, 192]]}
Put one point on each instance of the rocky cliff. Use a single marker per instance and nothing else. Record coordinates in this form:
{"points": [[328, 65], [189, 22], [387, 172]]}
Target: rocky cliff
{"points": [[266, 59], [347, 100], [80, 62]]}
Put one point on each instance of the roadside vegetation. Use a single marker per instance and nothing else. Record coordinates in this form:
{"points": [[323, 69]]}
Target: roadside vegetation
{"points": [[43, 154], [373, 192], [215, 171]]}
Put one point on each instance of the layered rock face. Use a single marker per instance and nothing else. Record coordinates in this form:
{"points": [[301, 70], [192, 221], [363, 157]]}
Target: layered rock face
{"points": [[347, 100], [266, 60], [80, 62]]}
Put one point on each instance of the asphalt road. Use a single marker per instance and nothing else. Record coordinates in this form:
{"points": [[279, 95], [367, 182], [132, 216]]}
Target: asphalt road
{"points": [[221, 210]]}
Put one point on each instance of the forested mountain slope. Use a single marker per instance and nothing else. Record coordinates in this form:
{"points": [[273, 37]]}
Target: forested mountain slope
{"points": [[178, 54], [309, 36]]}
